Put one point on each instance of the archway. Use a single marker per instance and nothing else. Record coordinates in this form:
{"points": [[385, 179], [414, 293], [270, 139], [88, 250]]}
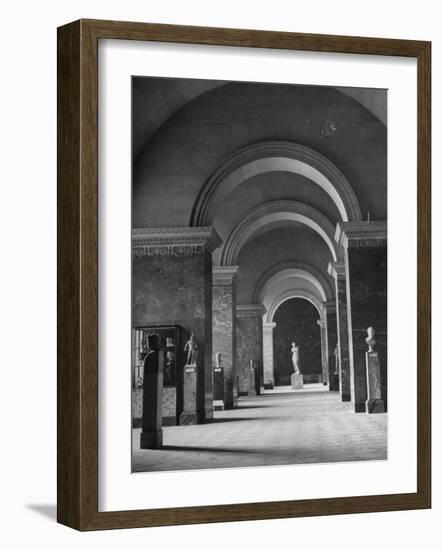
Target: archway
{"points": [[297, 320], [272, 156]]}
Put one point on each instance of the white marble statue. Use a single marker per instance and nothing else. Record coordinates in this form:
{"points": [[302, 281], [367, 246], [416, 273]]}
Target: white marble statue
{"points": [[371, 342], [295, 358], [191, 348]]}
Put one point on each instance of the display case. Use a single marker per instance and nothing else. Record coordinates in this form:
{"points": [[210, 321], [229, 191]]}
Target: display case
{"points": [[172, 342]]}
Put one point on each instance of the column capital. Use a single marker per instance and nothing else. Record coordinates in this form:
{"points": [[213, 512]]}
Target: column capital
{"points": [[336, 270], [223, 275], [250, 310], [174, 241], [321, 323], [361, 234], [268, 327]]}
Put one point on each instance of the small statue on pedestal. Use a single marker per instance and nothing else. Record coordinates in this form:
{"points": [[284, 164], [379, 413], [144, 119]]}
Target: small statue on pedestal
{"points": [[295, 358], [218, 364], [371, 342], [191, 348]]}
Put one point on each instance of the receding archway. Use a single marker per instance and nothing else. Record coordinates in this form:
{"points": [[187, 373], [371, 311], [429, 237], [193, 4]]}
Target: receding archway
{"points": [[274, 156], [274, 214], [297, 320]]}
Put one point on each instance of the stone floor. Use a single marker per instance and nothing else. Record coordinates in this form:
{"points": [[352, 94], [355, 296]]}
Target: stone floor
{"points": [[280, 427]]}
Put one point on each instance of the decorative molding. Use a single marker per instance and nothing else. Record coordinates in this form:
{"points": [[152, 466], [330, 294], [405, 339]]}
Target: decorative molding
{"points": [[336, 270], [361, 234], [224, 275], [250, 310], [330, 306], [294, 157], [268, 327], [174, 241]]}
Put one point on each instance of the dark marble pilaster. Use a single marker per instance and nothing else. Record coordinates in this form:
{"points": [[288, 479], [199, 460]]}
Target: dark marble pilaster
{"points": [[248, 343], [172, 285], [337, 271], [365, 246], [324, 351], [268, 357], [224, 328], [332, 340]]}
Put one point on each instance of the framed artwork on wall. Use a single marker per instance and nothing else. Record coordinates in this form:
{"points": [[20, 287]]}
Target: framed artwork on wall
{"points": [[233, 210]]}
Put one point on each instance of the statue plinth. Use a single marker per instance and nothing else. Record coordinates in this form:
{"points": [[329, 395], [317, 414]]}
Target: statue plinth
{"points": [[218, 389], [375, 403], [190, 413], [297, 381]]}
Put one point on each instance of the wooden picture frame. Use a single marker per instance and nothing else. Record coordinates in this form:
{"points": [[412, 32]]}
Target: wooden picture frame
{"points": [[78, 274]]}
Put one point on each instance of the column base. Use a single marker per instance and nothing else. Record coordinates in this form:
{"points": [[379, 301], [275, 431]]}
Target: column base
{"points": [[375, 406], [268, 385], [188, 418], [360, 407], [218, 405], [297, 381], [151, 440], [208, 414]]}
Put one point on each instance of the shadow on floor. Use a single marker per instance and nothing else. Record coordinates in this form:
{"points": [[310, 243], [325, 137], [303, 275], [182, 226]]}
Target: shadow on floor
{"points": [[48, 511]]}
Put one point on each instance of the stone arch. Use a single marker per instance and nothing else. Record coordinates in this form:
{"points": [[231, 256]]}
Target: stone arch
{"points": [[270, 156], [294, 269], [288, 295], [273, 214]]}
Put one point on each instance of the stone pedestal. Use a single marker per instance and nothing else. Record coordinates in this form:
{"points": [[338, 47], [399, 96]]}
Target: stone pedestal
{"points": [[151, 433], [375, 403], [365, 248], [337, 271], [224, 328], [252, 382], [172, 285], [190, 414], [254, 378], [297, 381], [218, 389]]}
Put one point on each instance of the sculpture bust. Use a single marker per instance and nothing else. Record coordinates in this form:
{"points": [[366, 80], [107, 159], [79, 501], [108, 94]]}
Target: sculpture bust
{"points": [[295, 358], [191, 348], [371, 342]]}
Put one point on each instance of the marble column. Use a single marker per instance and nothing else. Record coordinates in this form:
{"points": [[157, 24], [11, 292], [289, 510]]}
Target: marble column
{"points": [[248, 343], [337, 271], [365, 247], [324, 351], [332, 339], [224, 328], [267, 338], [172, 285]]}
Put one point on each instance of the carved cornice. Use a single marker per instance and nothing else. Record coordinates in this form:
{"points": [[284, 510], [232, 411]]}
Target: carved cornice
{"points": [[174, 241], [224, 275], [250, 310], [361, 234], [336, 270]]}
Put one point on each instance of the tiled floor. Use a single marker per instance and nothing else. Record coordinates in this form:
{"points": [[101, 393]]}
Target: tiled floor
{"points": [[280, 427]]}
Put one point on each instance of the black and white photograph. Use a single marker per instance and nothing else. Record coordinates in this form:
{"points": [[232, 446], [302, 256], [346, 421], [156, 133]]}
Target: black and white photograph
{"points": [[259, 274]]}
